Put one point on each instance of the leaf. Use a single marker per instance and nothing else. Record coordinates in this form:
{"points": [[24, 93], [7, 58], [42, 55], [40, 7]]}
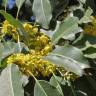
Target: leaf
{"points": [[19, 3], [4, 2], [54, 82], [15, 23], [81, 43], [60, 80], [68, 27], [43, 88], [10, 82], [42, 11], [89, 50], [92, 4], [83, 1], [69, 57], [86, 18], [54, 3], [9, 48], [58, 7]]}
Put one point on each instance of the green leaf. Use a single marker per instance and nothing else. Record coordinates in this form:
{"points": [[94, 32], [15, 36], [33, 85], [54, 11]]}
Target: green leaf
{"points": [[89, 50], [9, 48], [4, 2], [43, 88], [58, 7], [15, 23], [69, 57], [83, 1], [10, 82], [67, 29], [54, 82], [19, 3], [86, 18], [10, 19], [42, 11], [59, 79]]}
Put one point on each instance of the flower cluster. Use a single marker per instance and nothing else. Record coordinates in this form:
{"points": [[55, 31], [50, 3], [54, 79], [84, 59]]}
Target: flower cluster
{"points": [[32, 63], [39, 45], [38, 41], [9, 31], [67, 75]]}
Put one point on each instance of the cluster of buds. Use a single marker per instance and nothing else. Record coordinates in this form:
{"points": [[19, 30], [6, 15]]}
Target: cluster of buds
{"points": [[67, 75], [32, 63], [39, 45], [38, 41], [9, 31]]}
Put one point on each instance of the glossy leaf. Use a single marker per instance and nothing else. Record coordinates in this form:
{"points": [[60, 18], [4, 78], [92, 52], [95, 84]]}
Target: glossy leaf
{"points": [[42, 11], [69, 57]]}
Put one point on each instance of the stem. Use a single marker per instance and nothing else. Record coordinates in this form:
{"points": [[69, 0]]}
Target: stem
{"points": [[72, 88], [17, 15], [19, 43], [5, 5]]}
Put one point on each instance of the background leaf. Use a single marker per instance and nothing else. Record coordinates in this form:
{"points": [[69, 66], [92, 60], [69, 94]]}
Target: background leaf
{"points": [[15, 23], [89, 50], [4, 2], [86, 18], [66, 28], [19, 3], [42, 11]]}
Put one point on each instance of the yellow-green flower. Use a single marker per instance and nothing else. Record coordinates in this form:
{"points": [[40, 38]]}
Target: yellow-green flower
{"points": [[32, 63]]}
